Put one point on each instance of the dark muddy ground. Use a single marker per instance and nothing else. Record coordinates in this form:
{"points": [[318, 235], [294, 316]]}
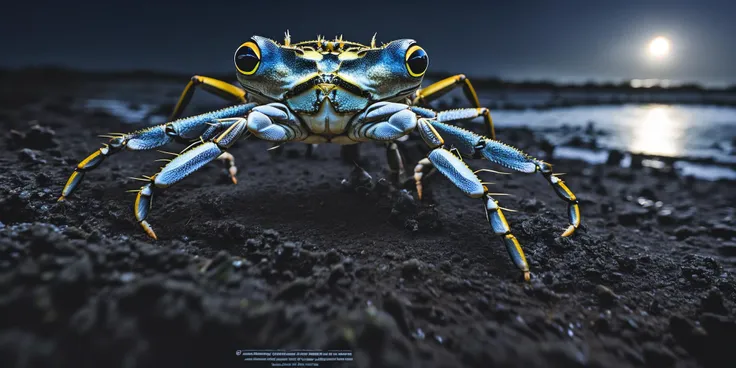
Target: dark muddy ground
{"points": [[288, 259]]}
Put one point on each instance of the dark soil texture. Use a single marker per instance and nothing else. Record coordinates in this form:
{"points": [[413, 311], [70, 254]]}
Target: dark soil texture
{"points": [[291, 258]]}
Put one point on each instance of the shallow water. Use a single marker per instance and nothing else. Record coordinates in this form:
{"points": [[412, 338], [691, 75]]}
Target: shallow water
{"points": [[684, 131], [664, 130]]}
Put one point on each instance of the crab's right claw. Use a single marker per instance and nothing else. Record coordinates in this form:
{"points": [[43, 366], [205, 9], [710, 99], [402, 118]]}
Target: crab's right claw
{"points": [[573, 209]]}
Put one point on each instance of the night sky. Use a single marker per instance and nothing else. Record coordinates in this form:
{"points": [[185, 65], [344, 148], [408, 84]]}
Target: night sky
{"points": [[558, 40]]}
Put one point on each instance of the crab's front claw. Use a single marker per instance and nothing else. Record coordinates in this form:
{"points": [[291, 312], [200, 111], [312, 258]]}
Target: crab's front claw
{"points": [[573, 208]]}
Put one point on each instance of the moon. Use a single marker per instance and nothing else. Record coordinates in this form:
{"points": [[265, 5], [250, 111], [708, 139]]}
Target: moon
{"points": [[659, 47]]}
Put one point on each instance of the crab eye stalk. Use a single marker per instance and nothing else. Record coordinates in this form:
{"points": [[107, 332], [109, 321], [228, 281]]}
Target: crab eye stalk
{"points": [[417, 61], [248, 58]]}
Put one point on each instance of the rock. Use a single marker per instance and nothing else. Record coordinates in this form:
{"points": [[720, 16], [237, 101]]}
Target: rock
{"points": [[713, 303], [452, 284], [576, 141], [627, 264], [286, 252], [530, 204], [294, 290], [631, 216], [29, 155], [686, 334], [411, 268], [547, 147], [602, 324], [648, 193], [502, 313], [39, 137], [665, 216], [271, 235], [720, 328], [721, 333], [658, 355], [727, 248], [333, 256], [428, 219], [636, 161], [723, 231], [338, 272], [684, 232], [446, 266], [404, 202], [614, 158], [606, 296], [397, 309], [15, 139]]}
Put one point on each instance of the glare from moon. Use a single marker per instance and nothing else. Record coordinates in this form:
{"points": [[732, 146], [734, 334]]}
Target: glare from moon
{"points": [[659, 47]]}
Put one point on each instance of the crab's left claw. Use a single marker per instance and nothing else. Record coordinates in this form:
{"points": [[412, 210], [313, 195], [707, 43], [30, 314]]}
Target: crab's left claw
{"points": [[573, 209]]}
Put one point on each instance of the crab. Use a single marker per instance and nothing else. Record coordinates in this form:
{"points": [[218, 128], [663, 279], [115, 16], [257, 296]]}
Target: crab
{"points": [[333, 91]]}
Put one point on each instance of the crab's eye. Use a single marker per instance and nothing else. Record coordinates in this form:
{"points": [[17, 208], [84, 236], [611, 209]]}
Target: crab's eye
{"points": [[247, 58], [416, 61]]}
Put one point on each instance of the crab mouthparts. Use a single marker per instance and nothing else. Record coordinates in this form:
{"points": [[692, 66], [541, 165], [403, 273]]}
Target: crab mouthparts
{"points": [[326, 88]]}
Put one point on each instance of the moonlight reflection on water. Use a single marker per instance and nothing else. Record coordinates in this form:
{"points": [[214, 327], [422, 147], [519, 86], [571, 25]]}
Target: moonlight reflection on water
{"points": [[658, 131]]}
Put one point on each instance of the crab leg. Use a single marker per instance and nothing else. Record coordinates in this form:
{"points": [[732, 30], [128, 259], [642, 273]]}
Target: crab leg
{"points": [[204, 126], [424, 168], [473, 145], [421, 171], [215, 86], [500, 227], [182, 166], [434, 91], [229, 160], [395, 162], [452, 167]]}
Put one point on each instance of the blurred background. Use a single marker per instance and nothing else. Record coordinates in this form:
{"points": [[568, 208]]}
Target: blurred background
{"points": [[654, 82]]}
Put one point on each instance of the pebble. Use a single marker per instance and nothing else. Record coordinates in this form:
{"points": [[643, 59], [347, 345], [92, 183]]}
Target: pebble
{"points": [[271, 234], [658, 355], [397, 309], [684, 232], [606, 296], [40, 137], [685, 332], [723, 231], [446, 266], [614, 158], [727, 248], [631, 216], [411, 268], [338, 271], [294, 290], [713, 303], [127, 277]]}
